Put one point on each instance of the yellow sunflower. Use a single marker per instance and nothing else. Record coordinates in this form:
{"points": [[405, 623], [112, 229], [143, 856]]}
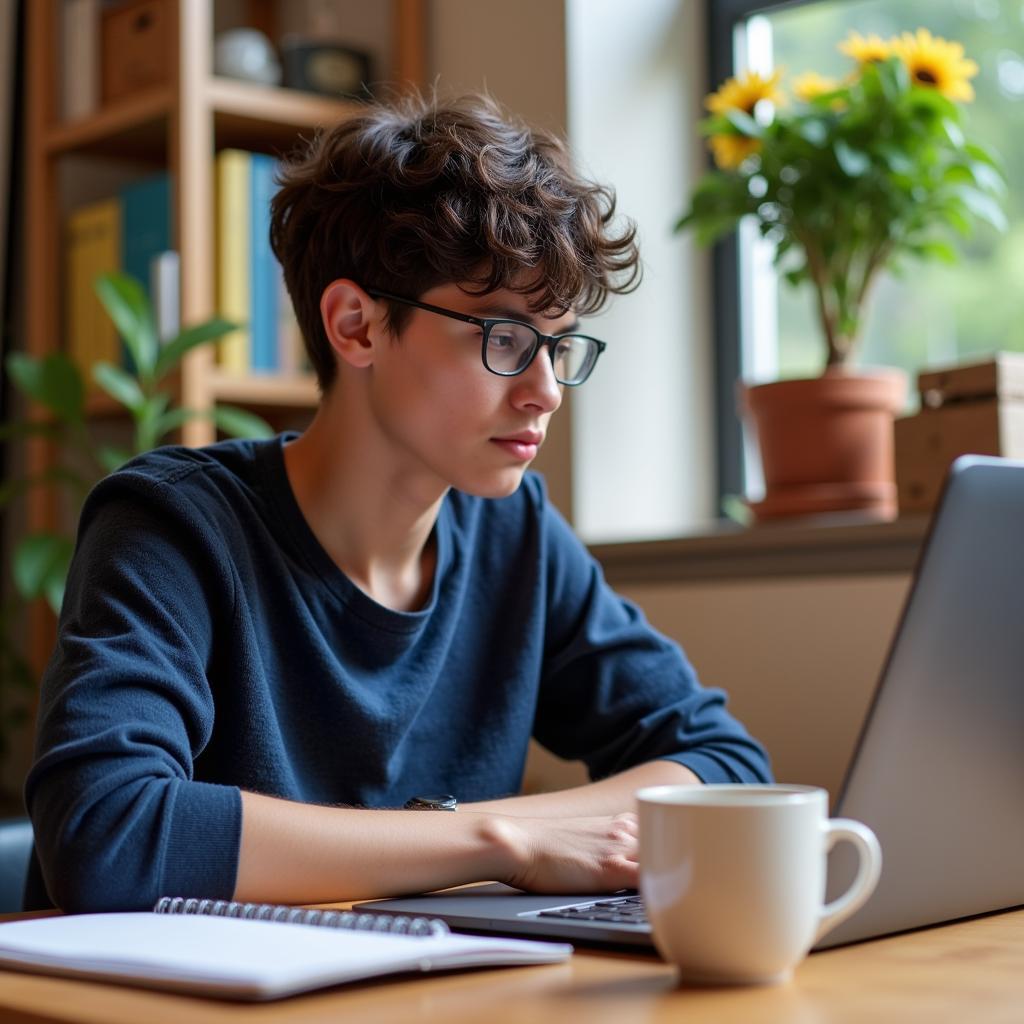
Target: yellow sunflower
{"points": [[730, 150], [745, 93], [866, 49], [811, 84], [937, 64]]}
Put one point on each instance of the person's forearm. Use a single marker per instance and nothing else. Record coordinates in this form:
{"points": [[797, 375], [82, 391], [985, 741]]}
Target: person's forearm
{"points": [[612, 795], [299, 853]]}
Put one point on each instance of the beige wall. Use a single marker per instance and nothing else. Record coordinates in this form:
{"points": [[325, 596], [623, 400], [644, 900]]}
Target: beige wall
{"points": [[517, 53], [799, 658], [514, 50]]}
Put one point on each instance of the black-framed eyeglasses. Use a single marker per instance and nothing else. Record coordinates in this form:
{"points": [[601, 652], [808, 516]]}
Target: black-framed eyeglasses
{"points": [[509, 346]]}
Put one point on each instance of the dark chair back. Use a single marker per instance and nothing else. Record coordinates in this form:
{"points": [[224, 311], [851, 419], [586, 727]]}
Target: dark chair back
{"points": [[15, 850]]}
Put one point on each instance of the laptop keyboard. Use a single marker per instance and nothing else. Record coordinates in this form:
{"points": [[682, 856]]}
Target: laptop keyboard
{"points": [[616, 910]]}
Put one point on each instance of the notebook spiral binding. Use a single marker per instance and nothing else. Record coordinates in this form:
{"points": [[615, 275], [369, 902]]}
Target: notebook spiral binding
{"points": [[392, 924]]}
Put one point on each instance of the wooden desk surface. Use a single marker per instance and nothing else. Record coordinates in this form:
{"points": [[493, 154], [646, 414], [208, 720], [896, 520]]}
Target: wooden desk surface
{"points": [[971, 972]]}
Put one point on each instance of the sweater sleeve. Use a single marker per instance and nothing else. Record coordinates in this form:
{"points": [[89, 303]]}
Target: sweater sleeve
{"points": [[126, 707], [615, 692]]}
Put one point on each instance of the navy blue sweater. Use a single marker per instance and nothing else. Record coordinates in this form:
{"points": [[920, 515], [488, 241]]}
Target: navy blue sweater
{"points": [[208, 644]]}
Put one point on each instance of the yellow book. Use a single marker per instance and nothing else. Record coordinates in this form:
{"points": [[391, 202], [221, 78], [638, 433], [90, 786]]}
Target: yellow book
{"points": [[233, 174], [93, 248]]}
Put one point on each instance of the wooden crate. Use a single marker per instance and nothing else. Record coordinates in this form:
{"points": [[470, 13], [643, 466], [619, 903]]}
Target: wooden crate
{"points": [[136, 44], [968, 410]]}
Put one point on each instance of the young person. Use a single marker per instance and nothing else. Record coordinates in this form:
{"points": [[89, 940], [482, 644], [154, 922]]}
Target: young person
{"points": [[268, 648]]}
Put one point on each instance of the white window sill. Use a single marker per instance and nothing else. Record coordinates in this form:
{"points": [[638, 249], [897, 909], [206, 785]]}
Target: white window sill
{"points": [[847, 545]]}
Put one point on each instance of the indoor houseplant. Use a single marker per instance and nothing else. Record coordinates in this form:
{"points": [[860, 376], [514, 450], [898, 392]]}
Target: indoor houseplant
{"points": [[144, 388], [847, 179]]}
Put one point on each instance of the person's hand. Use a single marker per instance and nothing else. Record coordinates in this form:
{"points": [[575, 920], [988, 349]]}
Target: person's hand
{"points": [[571, 855]]}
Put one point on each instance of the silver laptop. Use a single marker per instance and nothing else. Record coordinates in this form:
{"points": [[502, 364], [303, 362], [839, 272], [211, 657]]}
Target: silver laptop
{"points": [[938, 772]]}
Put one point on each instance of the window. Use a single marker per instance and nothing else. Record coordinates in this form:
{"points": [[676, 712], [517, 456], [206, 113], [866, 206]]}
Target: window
{"points": [[934, 313]]}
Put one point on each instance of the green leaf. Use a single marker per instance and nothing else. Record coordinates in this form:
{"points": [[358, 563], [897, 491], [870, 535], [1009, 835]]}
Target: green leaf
{"points": [[41, 564], [173, 420], [853, 162], [173, 351], [897, 158], [111, 458], [984, 207], [239, 423], [936, 249], [954, 133], [714, 125], [987, 177], [53, 381], [147, 421], [979, 152], [955, 214], [744, 123], [120, 385], [813, 130], [926, 100], [126, 303], [55, 586], [891, 76]]}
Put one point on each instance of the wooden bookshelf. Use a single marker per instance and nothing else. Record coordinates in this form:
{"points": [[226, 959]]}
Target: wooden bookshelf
{"points": [[296, 391], [136, 126], [178, 125]]}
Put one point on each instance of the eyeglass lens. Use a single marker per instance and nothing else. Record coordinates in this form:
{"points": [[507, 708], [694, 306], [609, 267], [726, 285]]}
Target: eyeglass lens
{"points": [[510, 346]]}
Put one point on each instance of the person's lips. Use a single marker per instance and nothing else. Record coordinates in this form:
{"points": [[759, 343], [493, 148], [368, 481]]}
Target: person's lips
{"points": [[522, 446]]}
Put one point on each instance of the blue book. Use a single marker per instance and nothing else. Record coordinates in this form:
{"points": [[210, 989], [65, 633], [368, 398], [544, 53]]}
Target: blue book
{"points": [[145, 229], [263, 269]]}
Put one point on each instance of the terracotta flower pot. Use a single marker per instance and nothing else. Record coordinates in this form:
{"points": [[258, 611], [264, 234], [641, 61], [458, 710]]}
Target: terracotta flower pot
{"points": [[826, 443]]}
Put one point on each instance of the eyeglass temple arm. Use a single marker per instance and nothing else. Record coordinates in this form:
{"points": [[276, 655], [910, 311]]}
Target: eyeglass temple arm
{"points": [[465, 317]]}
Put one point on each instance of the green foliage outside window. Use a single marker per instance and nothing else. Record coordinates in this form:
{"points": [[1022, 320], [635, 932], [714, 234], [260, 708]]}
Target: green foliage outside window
{"points": [[930, 314], [851, 177]]}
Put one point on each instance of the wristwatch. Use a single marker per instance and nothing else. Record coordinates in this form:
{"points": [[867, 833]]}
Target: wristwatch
{"points": [[432, 803]]}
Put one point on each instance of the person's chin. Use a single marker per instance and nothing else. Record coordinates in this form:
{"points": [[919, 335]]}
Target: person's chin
{"points": [[495, 485]]}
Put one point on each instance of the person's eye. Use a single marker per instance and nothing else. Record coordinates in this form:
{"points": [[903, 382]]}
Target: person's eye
{"points": [[501, 341]]}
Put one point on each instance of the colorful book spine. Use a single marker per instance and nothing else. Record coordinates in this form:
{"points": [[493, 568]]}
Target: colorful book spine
{"points": [[234, 204], [93, 248], [263, 267], [145, 230]]}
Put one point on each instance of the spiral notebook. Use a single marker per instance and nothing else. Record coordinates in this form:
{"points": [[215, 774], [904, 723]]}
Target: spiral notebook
{"points": [[250, 951]]}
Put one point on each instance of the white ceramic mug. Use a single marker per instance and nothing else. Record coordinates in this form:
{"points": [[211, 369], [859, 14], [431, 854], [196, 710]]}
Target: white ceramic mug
{"points": [[733, 877]]}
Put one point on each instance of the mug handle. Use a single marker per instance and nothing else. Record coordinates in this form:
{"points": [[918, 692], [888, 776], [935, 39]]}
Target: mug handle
{"points": [[869, 869]]}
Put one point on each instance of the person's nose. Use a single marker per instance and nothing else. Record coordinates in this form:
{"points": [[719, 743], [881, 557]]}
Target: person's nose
{"points": [[536, 386]]}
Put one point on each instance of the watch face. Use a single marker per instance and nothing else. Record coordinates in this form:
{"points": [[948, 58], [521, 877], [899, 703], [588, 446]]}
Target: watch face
{"points": [[445, 802]]}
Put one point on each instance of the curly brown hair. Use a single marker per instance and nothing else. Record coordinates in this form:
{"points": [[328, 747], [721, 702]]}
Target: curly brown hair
{"points": [[418, 192]]}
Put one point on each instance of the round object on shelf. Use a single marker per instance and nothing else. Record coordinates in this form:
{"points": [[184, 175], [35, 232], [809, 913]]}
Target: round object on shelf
{"points": [[248, 54]]}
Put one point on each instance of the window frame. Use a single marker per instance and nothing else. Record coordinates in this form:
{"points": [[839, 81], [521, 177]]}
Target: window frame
{"points": [[723, 18]]}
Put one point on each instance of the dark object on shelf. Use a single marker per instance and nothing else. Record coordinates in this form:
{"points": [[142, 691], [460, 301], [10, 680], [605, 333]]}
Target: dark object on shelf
{"points": [[331, 69], [135, 47]]}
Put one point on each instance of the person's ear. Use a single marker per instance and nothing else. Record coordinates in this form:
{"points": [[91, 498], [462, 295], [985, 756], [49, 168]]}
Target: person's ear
{"points": [[352, 322]]}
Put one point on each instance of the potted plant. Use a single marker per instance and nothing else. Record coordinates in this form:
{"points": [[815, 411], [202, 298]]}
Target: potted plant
{"points": [[40, 560], [847, 179]]}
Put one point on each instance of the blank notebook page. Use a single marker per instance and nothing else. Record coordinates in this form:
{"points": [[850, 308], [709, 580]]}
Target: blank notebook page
{"points": [[246, 959]]}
